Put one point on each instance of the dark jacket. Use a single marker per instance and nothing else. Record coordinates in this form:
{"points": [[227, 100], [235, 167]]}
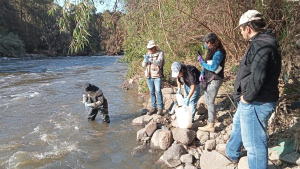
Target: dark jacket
{"points": [[257, 77], [220, 76], [190, 75]]}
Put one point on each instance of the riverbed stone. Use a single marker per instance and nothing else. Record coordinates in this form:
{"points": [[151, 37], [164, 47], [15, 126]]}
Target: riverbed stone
{"points": [[180, 167], [154, 142], [215, 160], [189, 166], [186, 158], [210, 145], [165, 139], [142, 120], [219, 140], [243, 164], [221, 147], [150, 128], [292, 158], [213, 135], [140, 134], [167, 91], [138, 149], [169, 104], [172, 156], [203, 136], [144, 111], [184, 136]]}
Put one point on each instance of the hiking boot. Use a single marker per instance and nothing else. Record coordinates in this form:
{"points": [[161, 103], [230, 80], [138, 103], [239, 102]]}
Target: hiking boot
{"points": [[160, 112], [152, 111], [209, 127]]}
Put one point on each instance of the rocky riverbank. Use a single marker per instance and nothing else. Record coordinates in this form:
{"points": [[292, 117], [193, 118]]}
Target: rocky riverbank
{"points": [[192, 148]]}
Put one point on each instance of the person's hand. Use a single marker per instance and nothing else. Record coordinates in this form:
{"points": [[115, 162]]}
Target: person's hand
{"points": [[87, 104], [201, 77], [200, 58], [179, 90], [146, 58], [242, 100], [186, 101]]}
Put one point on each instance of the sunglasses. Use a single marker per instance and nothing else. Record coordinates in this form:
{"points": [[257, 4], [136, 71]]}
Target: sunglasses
{"points": [[151, 48]]}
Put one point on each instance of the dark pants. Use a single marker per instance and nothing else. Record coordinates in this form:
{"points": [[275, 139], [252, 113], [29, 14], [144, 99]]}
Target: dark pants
{"points": [[103, 110]]}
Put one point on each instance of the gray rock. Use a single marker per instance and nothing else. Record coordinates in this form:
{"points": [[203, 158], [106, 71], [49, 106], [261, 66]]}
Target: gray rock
{"points": [[202, 136], [219, 141], [165, 128], [226, 137], [243, 164], [189, 166], [150, 128], [154, 139], [172, 156], [184, 136], [186, 158], [292, 158], [221, 147], [210, 145], [213, 136], [167, 91], [298, 43], [197, 156], [169, 104], [140, 134], [215, 160], [180, 167], [165, 139], [155, 117]]}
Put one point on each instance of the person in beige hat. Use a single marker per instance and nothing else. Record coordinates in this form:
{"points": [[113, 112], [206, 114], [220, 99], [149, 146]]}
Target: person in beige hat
{"points": [[255, 91], [154, 62]]}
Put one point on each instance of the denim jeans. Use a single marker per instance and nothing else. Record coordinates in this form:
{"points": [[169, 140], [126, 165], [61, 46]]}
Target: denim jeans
{"points": [[250, 124], [194, 99], [210, 96], [154, 85]]}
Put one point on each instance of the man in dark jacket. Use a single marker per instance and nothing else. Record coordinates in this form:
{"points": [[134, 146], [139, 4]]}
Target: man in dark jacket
{"points": [[95, 102], [255, 91]]}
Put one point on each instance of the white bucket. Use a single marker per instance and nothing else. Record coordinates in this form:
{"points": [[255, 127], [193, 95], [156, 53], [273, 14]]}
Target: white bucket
{"points": [[179, 99], [184, 117]]}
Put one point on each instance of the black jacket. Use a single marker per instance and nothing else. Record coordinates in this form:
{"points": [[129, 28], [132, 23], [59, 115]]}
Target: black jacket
{"points": [[257, 77]]}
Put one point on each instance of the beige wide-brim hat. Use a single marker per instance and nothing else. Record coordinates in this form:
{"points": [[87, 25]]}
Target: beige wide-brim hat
{"points": [[151, 44]]}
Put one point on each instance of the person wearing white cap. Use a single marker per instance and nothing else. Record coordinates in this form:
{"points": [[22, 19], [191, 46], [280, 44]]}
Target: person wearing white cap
{"points": [[255, 91], [189, 76], [154, 62]]}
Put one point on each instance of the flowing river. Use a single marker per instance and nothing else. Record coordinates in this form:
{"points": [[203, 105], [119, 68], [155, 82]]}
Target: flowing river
{"points": [[43, 123]]}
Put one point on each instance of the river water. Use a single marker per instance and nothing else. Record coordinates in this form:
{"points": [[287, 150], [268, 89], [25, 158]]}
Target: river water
{"points": [[43, 123]]}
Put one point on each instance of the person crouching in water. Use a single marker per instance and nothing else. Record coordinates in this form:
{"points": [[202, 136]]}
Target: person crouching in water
{"points": [[95, 102], [189, 76]]}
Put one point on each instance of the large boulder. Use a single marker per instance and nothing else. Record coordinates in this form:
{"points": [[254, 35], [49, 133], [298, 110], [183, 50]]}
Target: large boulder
{"points": [[243, 164], [140, 134], [172, 156], [142, 120], [167, 91], [154, 143], [150, 128], [165, 139], [215, 160], [183, 136]]}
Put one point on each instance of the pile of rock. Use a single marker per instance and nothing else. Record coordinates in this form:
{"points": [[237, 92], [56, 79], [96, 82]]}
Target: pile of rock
{"points": [[187, 148]]}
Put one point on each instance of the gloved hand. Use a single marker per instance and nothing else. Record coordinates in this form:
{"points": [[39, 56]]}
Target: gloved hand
{"points": [[87, 104], [179, 90], [201, 77], [200, 58], [187, 101], [146, 58]]}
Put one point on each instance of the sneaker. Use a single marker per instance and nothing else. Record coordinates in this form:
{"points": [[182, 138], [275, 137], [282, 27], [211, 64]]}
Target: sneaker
{"points": [[152, 111], [160, 112]]}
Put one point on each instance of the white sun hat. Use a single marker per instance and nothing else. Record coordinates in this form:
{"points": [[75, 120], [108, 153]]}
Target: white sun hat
{"points": [[151, 44], [250, 15], [176, 67]]}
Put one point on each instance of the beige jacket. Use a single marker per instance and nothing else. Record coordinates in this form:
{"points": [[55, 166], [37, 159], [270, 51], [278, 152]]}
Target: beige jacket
{"points": [[154, 68]]}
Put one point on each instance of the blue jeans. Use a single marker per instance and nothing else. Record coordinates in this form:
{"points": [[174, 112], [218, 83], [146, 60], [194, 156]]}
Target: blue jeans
{"points": [[250, 124], [210, 96], [194, 99], [154, 86]]}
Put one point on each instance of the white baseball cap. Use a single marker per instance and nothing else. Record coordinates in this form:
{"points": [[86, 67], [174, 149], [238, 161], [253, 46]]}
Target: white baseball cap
{"points": [[250, 15], [176, 67]]}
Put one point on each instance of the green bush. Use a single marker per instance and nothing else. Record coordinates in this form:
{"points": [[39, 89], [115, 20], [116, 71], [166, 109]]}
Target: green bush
{"points": [[11, 45]]}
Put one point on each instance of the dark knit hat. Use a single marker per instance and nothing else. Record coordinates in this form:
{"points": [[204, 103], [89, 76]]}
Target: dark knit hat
{"points": [[89, 88]]}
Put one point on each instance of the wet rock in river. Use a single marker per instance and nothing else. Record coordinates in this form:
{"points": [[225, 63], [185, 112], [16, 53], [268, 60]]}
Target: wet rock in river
{"points": [[154, 143], [140, 134], [150, 128], [165, 139]]}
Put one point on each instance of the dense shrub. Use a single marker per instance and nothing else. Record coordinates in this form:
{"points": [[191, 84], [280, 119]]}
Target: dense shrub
{"points": [[11, 45]]}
